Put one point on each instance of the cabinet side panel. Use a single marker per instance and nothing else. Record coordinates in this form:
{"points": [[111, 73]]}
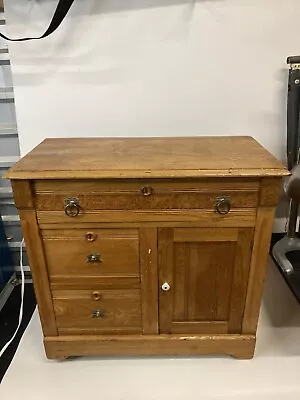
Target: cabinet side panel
{"points": [[149, 279], [268, 198], [258, 265], [240, 279], [34, 248]]}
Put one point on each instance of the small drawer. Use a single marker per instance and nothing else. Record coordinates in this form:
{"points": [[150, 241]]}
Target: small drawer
{"points": [[91, 253], [97, 311], [77, 198]]}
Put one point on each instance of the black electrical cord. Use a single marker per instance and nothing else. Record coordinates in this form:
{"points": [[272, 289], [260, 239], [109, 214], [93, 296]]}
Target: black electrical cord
{"points": [[61, 11]]}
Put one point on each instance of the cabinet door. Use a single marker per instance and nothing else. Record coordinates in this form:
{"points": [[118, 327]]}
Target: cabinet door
{"points": [[203, 276]]}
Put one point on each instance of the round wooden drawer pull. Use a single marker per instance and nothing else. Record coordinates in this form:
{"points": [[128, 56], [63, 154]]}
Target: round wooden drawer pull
{"points": [[146, 190], [91, 236], [96, 296]]}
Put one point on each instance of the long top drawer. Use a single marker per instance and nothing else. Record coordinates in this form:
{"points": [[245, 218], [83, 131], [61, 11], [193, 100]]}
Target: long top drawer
{"points": [[137, 194]]}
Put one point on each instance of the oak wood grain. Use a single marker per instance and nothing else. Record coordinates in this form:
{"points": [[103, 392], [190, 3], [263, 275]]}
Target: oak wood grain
{"points": [[225, 257], [239, 346], [162, 185], [80, 233], [38, 268], [128, 194], [149, 280], [235, 218], [180, 279], [205, 327], [67, 253], [240, 279], [145, 224], [147, 207], [156, 201], [109, 330], [165, 272], [208, 274], [208, 280], [121, 309], [103, 282], [23, 196], [270, 189], [134, 157], [205, 235], [258, 266]]}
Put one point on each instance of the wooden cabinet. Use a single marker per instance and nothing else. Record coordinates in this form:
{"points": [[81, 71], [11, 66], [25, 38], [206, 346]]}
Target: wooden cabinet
{"points": [[148, 246]]}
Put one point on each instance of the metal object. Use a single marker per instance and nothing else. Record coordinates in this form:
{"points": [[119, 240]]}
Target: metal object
{"points": [[72, 206], [8, 161], [281, 248], [91, 236], [11, 219], [15, 245], [294, 67], [7, 94], [223, 205], [165, 287], [9, 155], [8, 130], [96, 296], [290, 242], [15, 282], [98, 313], [6, 291], [6, 192], [147, 190], [93, 258]]}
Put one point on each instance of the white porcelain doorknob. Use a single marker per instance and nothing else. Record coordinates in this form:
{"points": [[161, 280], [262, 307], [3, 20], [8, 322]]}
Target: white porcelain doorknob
{"points": [[165, 287]]}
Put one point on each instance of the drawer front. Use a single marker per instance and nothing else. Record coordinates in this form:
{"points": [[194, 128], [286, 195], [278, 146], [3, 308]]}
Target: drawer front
{"points": [[72, 197], [91, 253], [97, 311]]}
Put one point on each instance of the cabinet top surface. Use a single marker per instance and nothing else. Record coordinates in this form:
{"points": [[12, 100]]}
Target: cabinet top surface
{"points": [[181, 157]]}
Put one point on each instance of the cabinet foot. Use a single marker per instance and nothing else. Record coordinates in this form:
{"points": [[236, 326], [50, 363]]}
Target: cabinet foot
{"points": [[63, 358], [243, 355]]}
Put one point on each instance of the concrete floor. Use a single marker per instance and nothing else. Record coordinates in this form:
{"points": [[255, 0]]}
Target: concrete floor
{"points": [[274, 373]]}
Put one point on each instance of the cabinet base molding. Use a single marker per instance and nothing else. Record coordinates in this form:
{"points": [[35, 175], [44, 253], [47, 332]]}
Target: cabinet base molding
{"points": [[238, 346]]}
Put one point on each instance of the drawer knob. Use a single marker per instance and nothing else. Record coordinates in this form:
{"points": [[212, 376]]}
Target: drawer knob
{"points": [[147, 190], [165, 287], [72, 206], [96, 296], [98, 314], [223, 205], [91, 236], [94, 258]]}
